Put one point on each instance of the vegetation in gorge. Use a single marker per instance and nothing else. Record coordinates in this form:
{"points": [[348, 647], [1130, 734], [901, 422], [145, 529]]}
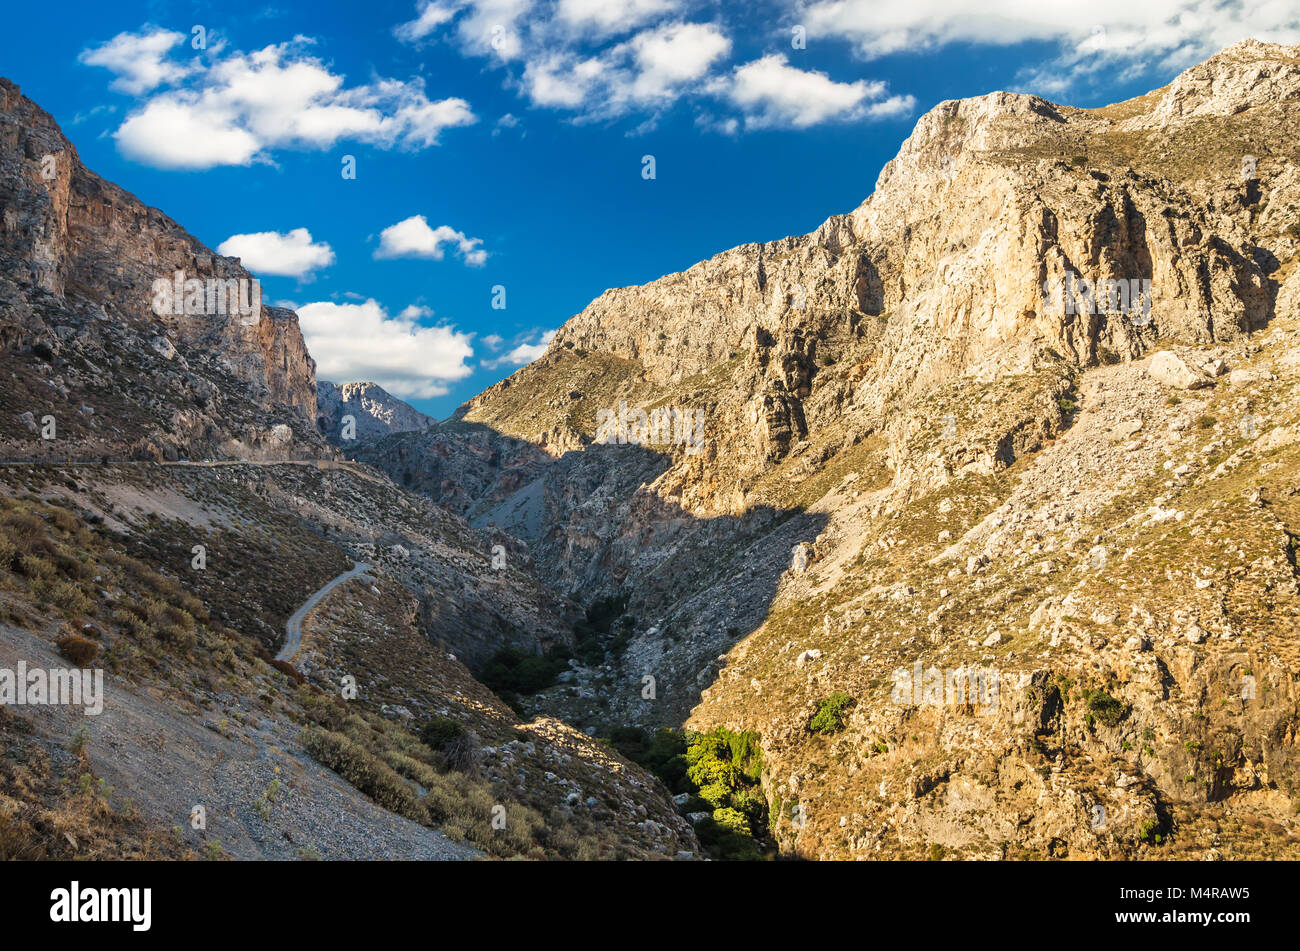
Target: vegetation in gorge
{"points": [[720, 772]]}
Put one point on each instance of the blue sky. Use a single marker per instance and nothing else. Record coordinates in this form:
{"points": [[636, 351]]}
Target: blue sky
{"points": [[500, 143]]}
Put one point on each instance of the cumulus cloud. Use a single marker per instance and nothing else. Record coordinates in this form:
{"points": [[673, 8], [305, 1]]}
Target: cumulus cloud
{"points": [[1160, 34], [526, 351], [507, 121], [773, 94], [413, 238], [482, 27], [138, 60], [571, 51], [650, 70], [238, 108], [354, 342], [431, 14], [294, 254], [674, 55], [612, 16]]}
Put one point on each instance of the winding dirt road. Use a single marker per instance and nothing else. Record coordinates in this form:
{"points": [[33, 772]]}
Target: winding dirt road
{"points": [[293, 630]]}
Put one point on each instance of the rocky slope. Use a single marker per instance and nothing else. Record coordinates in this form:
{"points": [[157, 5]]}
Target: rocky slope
{"points": [[80, 338], [913, 443], [280, 756], [375, 412]]}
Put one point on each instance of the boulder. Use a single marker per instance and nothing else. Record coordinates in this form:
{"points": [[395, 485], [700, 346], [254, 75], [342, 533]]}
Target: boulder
{"points": [[1168, 368]]}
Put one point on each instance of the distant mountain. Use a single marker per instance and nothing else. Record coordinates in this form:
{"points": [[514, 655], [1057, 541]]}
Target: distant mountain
{"points": [[375, 412]]}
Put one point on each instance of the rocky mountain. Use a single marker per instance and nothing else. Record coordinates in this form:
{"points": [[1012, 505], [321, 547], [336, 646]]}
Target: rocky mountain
{"points": [[375, 412], [1029, 409], [136, 339]]}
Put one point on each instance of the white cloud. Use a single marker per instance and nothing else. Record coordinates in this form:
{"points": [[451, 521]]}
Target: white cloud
{"points": [[413, 238], [355, 342], [482, 27], [562, 80], [139, 60], [1164, 34], [560, 46], [493, 341], [240, 107], [673, 55], [287, 255], [773, 94], [651, 70], [523, 353], [507, 121], [602, 60], [612, 16], [432, 14]]}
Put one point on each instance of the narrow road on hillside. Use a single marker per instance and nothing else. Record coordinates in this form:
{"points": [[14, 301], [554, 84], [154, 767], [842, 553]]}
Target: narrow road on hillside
{"points": [[322, 464], [293, 630]]}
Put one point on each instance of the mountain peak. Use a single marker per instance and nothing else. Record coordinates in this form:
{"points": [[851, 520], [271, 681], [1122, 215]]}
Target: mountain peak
{"points": [[375, 412]]}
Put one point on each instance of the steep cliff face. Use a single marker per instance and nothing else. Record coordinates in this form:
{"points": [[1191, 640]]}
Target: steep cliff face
{"points": [[375, 412], [920, 423], [79, 258]]}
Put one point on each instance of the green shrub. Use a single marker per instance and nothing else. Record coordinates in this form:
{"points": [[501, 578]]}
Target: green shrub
{"points": [[829, 717], [733, 820], [605, 628], [511, 671], [440, 732], [726, 845], [1150, 832], [71, 599], [1104, 708], [663, 753], [725, 767]]}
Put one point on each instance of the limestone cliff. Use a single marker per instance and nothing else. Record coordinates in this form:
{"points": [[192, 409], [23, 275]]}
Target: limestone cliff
{"points": [[79, 258]]}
